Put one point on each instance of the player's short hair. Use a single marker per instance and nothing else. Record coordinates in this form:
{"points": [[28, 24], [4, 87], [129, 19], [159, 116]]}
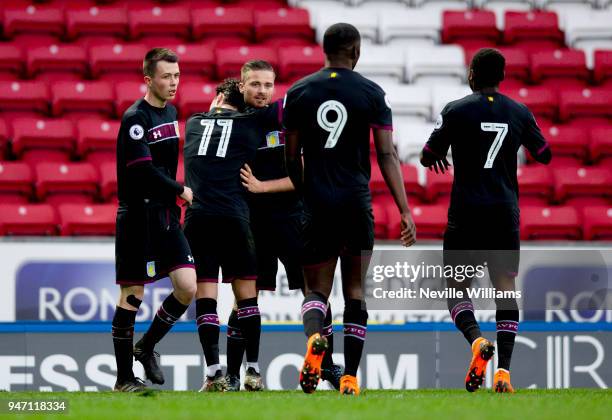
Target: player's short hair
{"points": [[255, 65], [488, 67], [156, 55], [340, 37], [230, 88]]}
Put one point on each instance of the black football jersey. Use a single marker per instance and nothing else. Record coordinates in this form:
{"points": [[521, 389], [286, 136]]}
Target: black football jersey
{"points": [[268, 164], [334, 110], [485, 132], [217, 145], [148, 133]]}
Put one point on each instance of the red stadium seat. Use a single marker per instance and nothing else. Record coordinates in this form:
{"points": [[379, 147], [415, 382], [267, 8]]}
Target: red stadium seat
{"points": [[118, 58], [280, 89], [597, 223], [4, 136], [82, 97], [532, 26], [108, 180], [98, 158], [283, 23], [583, 181], [411, 181], [72, 182], [231, 59], [34, 19], [126, 93], [15, 179], [430, 221], [31, 133], [601, 142], [438, 184], [96, 135], [195, 59], [35, 156], [460, 25], [596, 102], [222, 21], [258, 5], [602, 70], [297, 62], [24, 96], [87, 219], [535, 181], [566, 141], [195, 97], [97, 20], [568, 64], [67, 58], [28, 219], [159, 20], [542, 101], [559, 223], [380, 221], [12, 59]]}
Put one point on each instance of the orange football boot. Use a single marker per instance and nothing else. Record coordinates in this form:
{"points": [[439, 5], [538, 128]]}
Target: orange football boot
{"points": [[311, 369], [482, 352], [348, 385], [501, 381]]}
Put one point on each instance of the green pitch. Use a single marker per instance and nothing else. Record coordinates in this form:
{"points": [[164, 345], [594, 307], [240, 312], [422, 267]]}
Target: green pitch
{"points": [[380, 405]]}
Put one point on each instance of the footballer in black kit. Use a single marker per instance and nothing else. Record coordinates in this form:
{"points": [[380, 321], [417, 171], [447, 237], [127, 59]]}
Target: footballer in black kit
{"points": [[276, 221], [329, 115], [218, 144], [485, 131], [149, 242]]}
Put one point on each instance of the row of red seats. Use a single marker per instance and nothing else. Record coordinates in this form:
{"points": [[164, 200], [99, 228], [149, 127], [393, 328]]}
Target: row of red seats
{"points": [[537, 183], [552, 67], [585, 144], [537, 222], [535, 30], [75, 182], [65, 219], [135, 20], [81, 99], [123, 62], [564, 103]]}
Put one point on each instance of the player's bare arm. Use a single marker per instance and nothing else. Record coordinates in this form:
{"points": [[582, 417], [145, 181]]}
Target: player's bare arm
{"points": [[389, 164], [254, 185]]}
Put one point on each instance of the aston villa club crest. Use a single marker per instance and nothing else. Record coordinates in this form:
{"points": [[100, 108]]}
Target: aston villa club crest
{"points": [[151, 269]]}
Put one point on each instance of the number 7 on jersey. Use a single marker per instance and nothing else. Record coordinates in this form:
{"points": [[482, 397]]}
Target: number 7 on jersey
{"points": [[502, 131]]}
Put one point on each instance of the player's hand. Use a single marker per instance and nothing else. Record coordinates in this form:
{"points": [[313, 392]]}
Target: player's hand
{"points": [[187, 195], [249, 181], [408, 229], [441, 165], [217, 100]]}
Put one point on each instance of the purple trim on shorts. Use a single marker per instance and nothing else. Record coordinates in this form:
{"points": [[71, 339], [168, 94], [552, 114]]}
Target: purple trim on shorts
{"points": [[207, 280], [234, 333], [460, 307], [180, 266], [314, 305], [355, 330], [135, 161], [232, 278], [541, 149], [382, 127], [327, 331], [507, 326], [207, 319], [135, 282], [248, 312]]}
